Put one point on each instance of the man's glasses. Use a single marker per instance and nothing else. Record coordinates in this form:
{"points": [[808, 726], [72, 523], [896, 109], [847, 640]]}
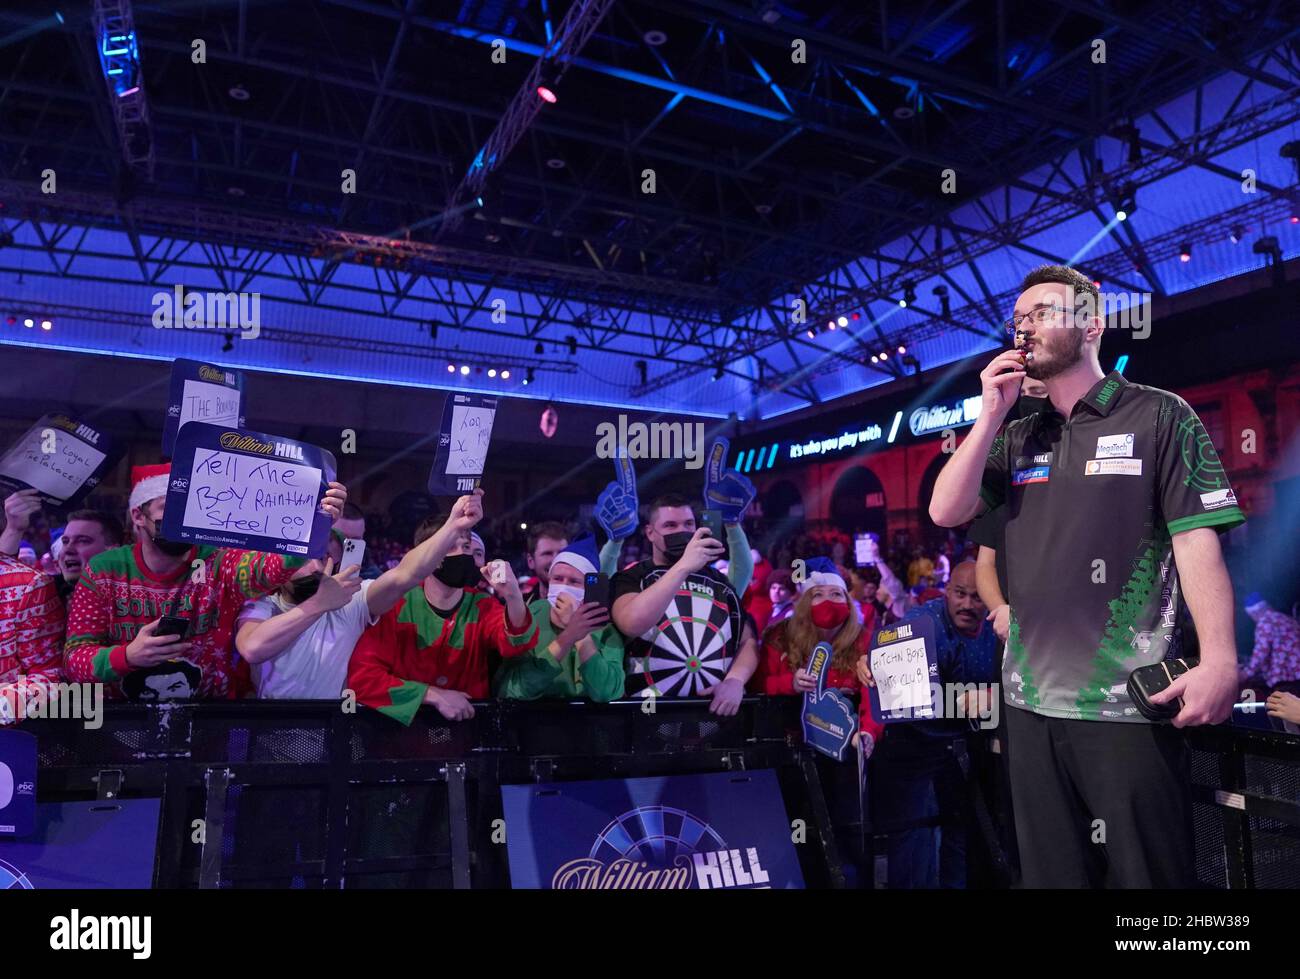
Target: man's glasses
{"points": [[1039, 315]]}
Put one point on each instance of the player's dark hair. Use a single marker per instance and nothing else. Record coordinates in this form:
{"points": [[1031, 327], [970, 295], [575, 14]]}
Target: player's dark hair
{"points": [[1066, 276], [109, 524]]}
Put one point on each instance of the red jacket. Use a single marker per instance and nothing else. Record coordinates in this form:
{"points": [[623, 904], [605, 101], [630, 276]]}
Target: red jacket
{"points": [[775, 677]]}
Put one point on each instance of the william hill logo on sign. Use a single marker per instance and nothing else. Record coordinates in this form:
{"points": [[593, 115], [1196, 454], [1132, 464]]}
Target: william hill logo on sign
{"points": [[246, 443], [904, 631], [709, 870]]}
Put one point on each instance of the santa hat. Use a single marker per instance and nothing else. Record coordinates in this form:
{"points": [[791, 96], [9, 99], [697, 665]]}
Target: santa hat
{"points": [[476, 539], [580, 554], [821, 571], [148, 483], [1255, 600]]}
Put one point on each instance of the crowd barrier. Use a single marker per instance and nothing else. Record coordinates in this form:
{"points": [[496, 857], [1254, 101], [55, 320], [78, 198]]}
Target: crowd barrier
{"points": [[304, 794]]}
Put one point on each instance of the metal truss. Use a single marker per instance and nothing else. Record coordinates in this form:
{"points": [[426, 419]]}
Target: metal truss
{"points": [[114, 24], [575, 30]]}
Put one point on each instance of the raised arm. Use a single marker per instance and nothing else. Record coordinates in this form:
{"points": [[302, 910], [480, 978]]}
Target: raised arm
{"points": [[422, 561], [635, 614], [956, 497]]}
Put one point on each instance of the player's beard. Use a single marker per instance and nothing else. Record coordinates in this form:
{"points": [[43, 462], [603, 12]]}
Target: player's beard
{"points": [[1057, 356]]}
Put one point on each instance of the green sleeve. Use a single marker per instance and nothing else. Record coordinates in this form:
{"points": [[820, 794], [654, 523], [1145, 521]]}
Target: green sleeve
{"points": [[602, 675], [609, 555], [531, 676], [740, 563]]}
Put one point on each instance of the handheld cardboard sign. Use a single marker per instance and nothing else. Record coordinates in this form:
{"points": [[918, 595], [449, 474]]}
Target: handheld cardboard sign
{"points": [[202, 393], [233, 488], [61, 457], [463, 440], [906, 672], [17, 783], [829, 718]]}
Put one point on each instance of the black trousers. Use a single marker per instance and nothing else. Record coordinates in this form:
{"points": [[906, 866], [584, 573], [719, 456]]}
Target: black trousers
{"points": [[1100, 803]]}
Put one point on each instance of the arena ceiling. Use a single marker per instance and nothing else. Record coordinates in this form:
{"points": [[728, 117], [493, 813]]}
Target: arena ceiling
{"points": [[707, 170]]}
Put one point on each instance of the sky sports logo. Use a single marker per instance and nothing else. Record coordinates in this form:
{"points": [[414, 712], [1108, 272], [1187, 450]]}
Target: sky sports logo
{"points": [[102, 933]]}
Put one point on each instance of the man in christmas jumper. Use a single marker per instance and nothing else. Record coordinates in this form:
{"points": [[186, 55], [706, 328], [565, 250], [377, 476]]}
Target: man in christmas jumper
{"points": [[124, 592], [31, 631], [434, 646]]}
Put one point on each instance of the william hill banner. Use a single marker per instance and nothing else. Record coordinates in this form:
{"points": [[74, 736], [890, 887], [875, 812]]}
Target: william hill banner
{"points": [[720, 831]]}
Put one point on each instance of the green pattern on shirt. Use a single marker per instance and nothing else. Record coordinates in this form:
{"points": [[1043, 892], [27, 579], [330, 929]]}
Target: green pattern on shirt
{"points": [[1115, 655], [1020, 657]]}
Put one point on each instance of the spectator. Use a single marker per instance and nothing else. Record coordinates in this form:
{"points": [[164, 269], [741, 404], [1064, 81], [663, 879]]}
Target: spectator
{"points": [[123, 593], [545, 540], [88, 532], [31, 635], [655, 597], [823, 613], [579, 653], [1276, 656], [352, 526], [434, 645], [932, 757], [298, 641], [921, 568]]}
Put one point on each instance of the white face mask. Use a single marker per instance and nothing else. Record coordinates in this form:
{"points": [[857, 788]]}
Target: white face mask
{"points": [[554, 590]]}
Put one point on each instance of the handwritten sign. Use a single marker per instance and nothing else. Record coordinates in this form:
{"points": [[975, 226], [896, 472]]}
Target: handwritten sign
{"points": [[61, 457], [829, 718], [464, 437], [202, 393], [235, 488], [905, 670]]}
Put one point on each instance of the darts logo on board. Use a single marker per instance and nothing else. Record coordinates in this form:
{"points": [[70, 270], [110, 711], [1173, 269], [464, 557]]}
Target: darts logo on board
{"points": [[661, 848], [12, 877]]}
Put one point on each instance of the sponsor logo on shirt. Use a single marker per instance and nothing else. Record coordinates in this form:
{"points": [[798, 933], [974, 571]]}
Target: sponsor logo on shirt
{"points": [[1113, 446], [1113, 467], [1035, 474], [1217, 499]]}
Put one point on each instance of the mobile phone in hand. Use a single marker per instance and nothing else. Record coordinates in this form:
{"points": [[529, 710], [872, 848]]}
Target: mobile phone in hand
{"points": [[353, 552], [173, 625], [596, 588], [712, 519]]}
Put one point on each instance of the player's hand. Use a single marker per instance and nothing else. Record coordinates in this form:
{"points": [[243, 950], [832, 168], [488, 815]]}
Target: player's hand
{"points": [[586, 619], [451, 704], [148, 649], [1207, 692], [1001, 619], [1000, 383], [703, 549], [863, 670], [335, 590], [332, 502], [861, 739], [466, 512], [804, 682], [19, 508], [726, 697]]}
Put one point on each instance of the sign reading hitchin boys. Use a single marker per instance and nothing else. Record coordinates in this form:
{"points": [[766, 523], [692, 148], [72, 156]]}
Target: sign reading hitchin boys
{"points": [[61, 457], [202, 393], [906, 672], [234, 488], [463, 440], [829, 718]]}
